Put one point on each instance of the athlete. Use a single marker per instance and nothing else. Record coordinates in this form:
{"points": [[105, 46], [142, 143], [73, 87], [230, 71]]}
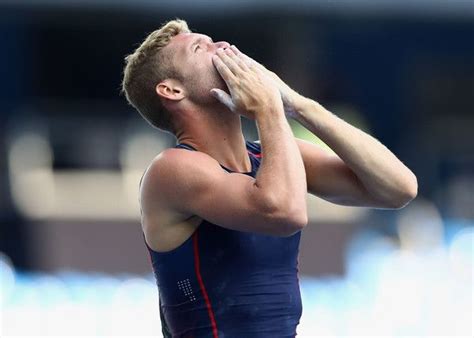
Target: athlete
{"points": [[222, 216]]}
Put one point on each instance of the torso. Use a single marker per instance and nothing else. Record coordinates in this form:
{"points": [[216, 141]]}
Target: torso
{"points": [[167, 230], [214, 281]]}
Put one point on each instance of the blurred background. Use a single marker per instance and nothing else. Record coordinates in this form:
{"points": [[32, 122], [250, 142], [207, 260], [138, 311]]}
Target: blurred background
{"points": [[72, 255]]}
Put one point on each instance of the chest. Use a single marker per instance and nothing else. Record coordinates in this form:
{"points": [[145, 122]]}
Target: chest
{"points": [[221, 247]]}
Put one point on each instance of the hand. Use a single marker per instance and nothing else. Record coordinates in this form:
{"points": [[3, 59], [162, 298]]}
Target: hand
{"points": [[251, 91], [290, 98]]}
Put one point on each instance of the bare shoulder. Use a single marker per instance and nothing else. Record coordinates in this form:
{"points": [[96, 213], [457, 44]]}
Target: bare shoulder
{"points": [[167, 185], [169, 177], [180, 185], [175, 164]]}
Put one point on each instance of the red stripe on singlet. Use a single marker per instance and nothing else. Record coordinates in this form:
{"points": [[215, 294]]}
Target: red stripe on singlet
{"points": [[256, 155], [197, 266]]}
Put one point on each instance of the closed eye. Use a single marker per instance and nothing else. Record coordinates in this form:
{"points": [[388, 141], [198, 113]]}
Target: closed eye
{"points": [[199, 41]]}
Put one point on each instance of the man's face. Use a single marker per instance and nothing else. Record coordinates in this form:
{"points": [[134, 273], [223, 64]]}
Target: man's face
{"points": [[192, 58]]}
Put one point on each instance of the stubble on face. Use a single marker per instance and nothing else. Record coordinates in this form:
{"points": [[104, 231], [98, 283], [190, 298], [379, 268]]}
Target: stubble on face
{"points": [[196, 69]]}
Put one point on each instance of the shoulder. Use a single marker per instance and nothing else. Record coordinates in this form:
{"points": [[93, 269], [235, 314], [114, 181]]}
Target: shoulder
{"points": [[177, 159], [176, 167], [173, 178]]}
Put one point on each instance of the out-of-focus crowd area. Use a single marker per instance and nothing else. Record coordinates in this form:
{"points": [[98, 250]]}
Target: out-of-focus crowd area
{"points": [[72, 256]]}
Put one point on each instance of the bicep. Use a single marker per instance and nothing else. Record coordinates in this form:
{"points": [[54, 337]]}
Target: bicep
{"points": [[197, 185]]}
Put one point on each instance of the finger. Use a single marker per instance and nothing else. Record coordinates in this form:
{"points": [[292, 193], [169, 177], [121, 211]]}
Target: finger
{"points": [[239, 60], [229, 62], [223, 70], [248, 60], [237, 51]]}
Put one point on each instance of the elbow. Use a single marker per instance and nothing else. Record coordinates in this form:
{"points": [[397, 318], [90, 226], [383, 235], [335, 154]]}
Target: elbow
{"points": [[413, 188], [289, 217], [293, 219], [290, 224], [296, 222], [405, 195]]}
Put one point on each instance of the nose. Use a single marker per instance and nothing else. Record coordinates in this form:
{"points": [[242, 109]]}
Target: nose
{"points": [[222, 44]]}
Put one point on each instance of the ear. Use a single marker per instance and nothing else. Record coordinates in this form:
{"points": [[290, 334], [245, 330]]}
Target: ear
{"points": [[170, 89]]}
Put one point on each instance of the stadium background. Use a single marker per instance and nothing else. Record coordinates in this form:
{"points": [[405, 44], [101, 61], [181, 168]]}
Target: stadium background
{"points": [[72, 256]]}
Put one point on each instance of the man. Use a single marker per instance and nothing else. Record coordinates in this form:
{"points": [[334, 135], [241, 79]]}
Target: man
{"points": [[222, 216]]}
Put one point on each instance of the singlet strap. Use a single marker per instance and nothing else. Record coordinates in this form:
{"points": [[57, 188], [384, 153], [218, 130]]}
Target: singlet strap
{"points": [[253, 148]]}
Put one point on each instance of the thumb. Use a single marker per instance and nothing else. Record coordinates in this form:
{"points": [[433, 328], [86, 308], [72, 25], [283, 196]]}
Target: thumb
{"points": [[223, 98]]}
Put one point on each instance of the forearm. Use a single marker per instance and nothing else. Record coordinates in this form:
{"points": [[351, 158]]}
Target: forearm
{"points": [[281, 175], [383, 175], [280, 185]]}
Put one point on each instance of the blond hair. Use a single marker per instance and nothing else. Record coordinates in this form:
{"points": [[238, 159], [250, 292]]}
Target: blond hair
{"points": [[145, 68]]}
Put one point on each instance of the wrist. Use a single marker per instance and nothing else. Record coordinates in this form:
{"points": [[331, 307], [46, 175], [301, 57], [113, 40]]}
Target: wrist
{"points": [[313, 116], [272, 110]]}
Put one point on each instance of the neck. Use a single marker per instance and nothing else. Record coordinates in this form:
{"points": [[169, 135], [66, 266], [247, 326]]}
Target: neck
{"points": [[219, 135]]}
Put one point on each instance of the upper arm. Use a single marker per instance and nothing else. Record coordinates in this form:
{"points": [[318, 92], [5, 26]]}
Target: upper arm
{"points": [[192, 183], [329, 177]]}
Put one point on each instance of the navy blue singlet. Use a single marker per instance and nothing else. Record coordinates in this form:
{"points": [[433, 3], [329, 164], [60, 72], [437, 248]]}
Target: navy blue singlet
{"points": [[229, 284]]}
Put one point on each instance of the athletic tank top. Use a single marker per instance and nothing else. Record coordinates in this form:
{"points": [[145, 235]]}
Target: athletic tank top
{"points": [[227, 283]]}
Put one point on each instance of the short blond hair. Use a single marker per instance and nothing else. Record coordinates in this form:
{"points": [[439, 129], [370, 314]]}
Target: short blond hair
{"points": [[145, 68]]}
